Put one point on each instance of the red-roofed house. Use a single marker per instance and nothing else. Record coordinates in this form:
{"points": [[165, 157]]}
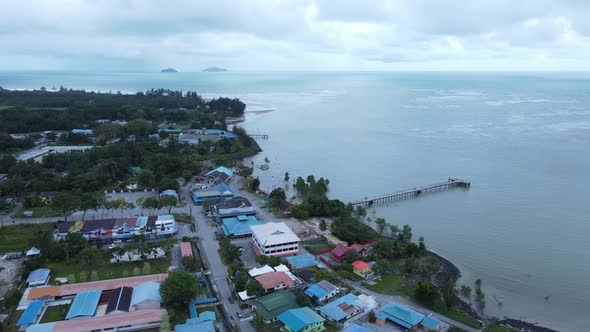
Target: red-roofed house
{"points": [[186, 249], [340, 251], [274, 280], [362, 269]]}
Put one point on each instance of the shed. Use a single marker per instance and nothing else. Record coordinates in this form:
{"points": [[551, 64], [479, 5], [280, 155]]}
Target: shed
{"points": [[38, 277]]}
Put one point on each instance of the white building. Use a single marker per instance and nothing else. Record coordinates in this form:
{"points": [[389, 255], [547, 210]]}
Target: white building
{"points": [[166, 225], [275, 239]]}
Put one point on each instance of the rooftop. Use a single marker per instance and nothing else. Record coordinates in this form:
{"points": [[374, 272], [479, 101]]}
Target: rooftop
{"points": [[355, 328], [274, 233], [148, 291], [84, 304], [39, 275], [274, 279], [361, 265], [221, 169], [260, 270], [30, 314], [317, 291], [430, 322], [341, 307], [72, 289], [120, 299], [297, 319], [302, 261], [186, 249], [239, 225], [107, 322], [276, 303], [400, 315]]}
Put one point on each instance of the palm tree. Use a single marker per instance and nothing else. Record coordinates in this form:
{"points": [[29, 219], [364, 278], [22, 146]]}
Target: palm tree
{"points": [[394, 229], [323, 225]]}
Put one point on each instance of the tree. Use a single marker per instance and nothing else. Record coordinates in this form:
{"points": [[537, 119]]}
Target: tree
{"points": [[241, 280], [422, 245], [383, 266], [466, 291], [255, 184], [449, 293], [286, 176], [278, 194], [169, 202], [302, 299], [179, 289], [406, 234], [89, 255], [323, 225], [139, 127], [151, 204], [146, 178], [73, 243], [66, 203], [426, 293], [253, 287], [381, 224], [410, 265]]}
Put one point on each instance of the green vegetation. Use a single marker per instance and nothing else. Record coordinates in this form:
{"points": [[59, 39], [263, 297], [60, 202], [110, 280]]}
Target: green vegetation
{"points": [[55, 313], [38, 212], [393, 284], [20, 237], [106, 270], [179, 289]]}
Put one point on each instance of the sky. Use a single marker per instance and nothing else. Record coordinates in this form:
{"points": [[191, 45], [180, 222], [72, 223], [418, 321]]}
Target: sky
{"points": [[285, 35]]}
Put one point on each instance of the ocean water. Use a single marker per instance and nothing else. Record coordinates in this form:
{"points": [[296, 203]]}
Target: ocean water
{"points": [[523, 140]]}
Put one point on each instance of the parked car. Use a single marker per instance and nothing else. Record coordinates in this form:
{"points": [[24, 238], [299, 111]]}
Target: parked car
{"points": [[230, 299], [239, 314]]}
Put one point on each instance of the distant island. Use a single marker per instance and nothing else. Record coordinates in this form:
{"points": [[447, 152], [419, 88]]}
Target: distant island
{"points": [[169, 70], [214, 69]]}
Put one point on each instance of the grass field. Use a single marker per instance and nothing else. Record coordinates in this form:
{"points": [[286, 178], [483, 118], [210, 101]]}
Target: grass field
{"points": [[103, 269], [18, 237], [38, 212], [498, 328], [393, 284], [54, 314]]}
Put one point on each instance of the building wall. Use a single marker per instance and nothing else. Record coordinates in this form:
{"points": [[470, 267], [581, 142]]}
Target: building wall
{"points": [[281, 249], [147, 305], [364, 274]]}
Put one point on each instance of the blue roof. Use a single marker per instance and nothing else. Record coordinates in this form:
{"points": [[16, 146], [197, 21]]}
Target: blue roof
{"points": [[317, 291], [238, 225], [84, 304], [400, 315], [170, 192], [82, 131], [205, 322], [302, 261], [297, 319], [430, 322], [148, 291], [45, 327], [38, 275], [214, 131], [332, 309], [221, 169], [30, 313], [356, 328]]}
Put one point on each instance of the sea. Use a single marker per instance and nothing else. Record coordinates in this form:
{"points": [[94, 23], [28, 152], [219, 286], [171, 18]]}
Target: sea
{"points": [[521, 139]]}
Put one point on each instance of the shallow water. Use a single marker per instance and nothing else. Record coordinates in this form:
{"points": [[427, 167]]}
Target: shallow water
{"points": [[521, 139]]}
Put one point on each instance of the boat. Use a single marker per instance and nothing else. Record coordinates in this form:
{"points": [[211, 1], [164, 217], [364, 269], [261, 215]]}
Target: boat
{"points": [[264, 167]]}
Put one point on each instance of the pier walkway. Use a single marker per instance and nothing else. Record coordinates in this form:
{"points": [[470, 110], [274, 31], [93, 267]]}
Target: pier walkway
{"points": [[408, 193], [262, 136]]}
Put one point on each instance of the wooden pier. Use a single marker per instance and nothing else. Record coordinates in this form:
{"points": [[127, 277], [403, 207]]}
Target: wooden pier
{"points": [[262, 136], [414, 192]]}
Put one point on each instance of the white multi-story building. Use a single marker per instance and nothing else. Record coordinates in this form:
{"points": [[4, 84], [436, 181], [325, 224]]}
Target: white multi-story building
{"points": [[275, 239]]}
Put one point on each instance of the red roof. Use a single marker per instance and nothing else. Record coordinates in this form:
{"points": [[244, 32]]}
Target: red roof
{"points": [[357, 247], [361, 265], [186, 249], [339, 251], [274, 279]]}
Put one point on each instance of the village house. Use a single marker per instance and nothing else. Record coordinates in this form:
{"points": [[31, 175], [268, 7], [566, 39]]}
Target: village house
{"points": [[362, 269], [274, 239]]}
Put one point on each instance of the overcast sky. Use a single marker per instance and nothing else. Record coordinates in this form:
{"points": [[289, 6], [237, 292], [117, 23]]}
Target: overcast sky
{"points": [[144, 35]]}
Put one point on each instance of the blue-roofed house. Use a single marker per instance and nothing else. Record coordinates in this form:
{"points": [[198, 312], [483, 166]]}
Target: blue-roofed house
{"points": [[356, 328], [430, 324], [84, 304], [38, 277], [302, 320], [31, 314], [82, 131], [215, 193], [400, 315], [205, 322], [221, 169], [303, 261], [146, 296], [237, 227], [321, 291], [342, 308], [169, 192]]}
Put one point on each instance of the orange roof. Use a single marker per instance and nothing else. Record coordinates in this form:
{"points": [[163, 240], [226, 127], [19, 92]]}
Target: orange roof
{"points": [[186, 249], [109, 321], [361, 265], [73, 289], [274, 279]]}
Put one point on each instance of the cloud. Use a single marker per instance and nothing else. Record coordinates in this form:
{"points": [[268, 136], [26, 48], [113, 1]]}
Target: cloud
{"points": [[296, 35]]}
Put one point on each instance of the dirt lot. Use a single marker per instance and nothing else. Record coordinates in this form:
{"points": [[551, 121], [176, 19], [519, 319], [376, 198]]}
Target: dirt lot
{"points": [[8, 273]]}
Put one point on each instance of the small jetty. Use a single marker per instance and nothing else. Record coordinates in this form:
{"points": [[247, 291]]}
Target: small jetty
{"points": [[262, 136], [450, 184]]}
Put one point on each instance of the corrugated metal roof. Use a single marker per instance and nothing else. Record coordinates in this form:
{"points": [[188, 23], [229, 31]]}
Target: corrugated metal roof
{"points": [[297, 319], [335, 310], [400, 315], [317, 291], [30, 314], [39, 275], [84, 304], [356, 328], [239, 225], [274, 279], [186, 249], [120, 299], [302, 261], [45, 327], [361, 265], [110, 321], [148, 291], [430, 322]]}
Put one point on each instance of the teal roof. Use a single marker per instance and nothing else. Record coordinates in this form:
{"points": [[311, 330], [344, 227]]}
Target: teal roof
{"points": [[221, 169], [238, 225], [302, 261], [297, 319], [333, 311], [400, 315], [84, 304], [30, 314], [205, 322], [317, 291], [430, 322], [355, 328], [39, 275], [45, 327], [148, 291]]}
